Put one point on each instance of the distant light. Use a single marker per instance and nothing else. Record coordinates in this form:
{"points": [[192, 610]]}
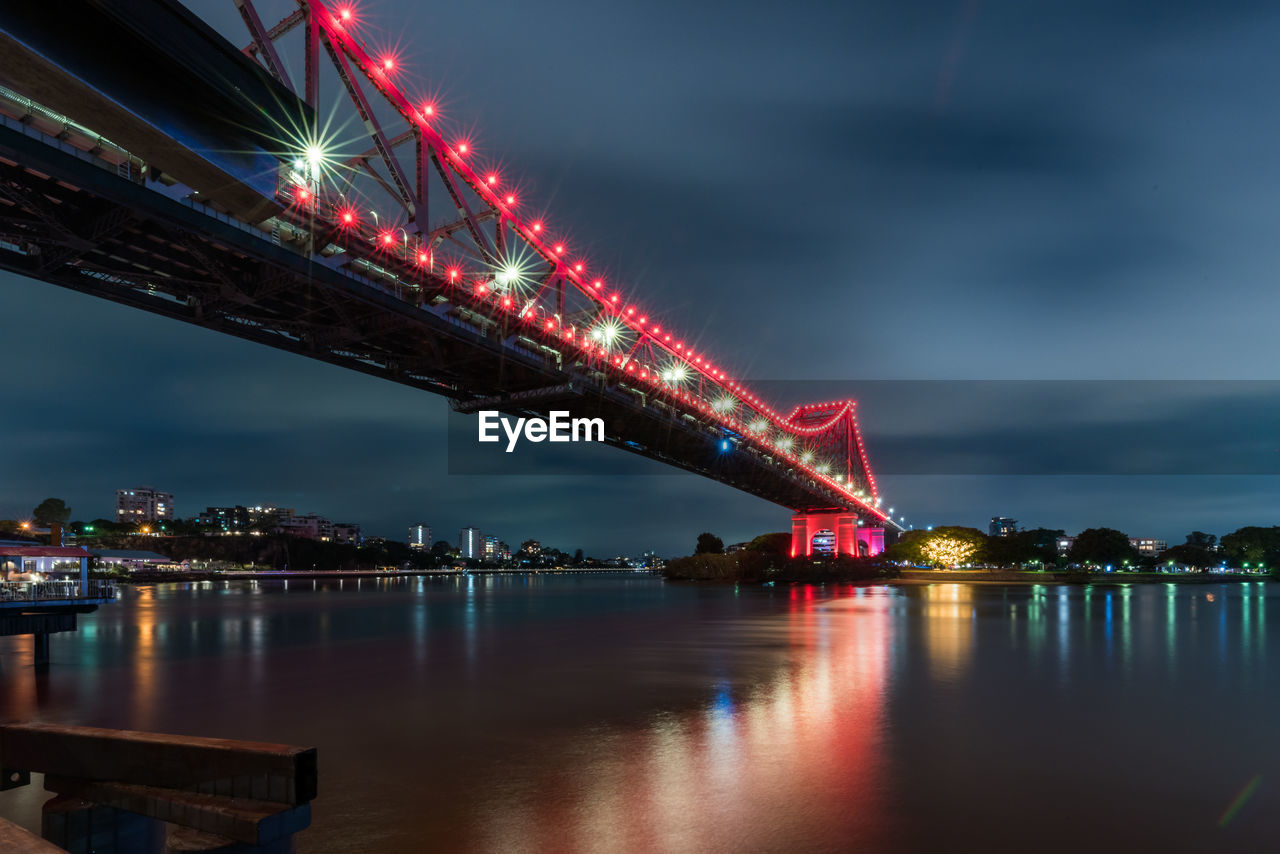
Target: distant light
{"points": [[724, 444], [428, 109], [388, 237], [511, 199], [462, 147], [559, 247], [388, 63], [537, 228], [491, 179], [423, 258], [454, 272], [347, 216]]}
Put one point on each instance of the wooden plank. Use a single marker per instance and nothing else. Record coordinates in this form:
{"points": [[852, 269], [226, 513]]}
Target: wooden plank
{"points": [[243, 769], [241, 819], [14, 838]]}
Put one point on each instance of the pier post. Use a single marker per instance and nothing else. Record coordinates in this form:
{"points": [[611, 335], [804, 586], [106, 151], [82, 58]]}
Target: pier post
{"points": [[40, 649]]}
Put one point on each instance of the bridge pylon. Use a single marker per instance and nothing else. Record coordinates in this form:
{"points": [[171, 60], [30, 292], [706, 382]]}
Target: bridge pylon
{"points": [[834, 532]]}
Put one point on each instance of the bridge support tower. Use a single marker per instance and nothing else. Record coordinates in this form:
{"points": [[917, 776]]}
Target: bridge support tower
{"points": [[840, 528]]}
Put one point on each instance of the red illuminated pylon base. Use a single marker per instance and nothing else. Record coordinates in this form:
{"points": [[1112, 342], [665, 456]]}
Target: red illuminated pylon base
{"points": [[838, 530]]}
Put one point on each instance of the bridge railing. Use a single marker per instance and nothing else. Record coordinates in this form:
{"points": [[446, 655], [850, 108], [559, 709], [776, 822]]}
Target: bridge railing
{"points": [[46, 591]]}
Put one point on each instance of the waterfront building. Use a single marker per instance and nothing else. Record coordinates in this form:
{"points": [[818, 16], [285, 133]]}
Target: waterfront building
{"points": [[1002, 526], [143, 504], [420, 536], [471, 544], [491, 549], [531, 547], [132, 559]]}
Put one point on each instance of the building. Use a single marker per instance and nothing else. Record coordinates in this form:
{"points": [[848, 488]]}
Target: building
{"points": [[310, 527], [420, 536], [532, 548], [1143, 545], [1147, 545], [1002, 526], [24, 561], [347, 533], [241, 518], [133, 560], [471, 544], [226, 519], [491, 550], [143, 504]]}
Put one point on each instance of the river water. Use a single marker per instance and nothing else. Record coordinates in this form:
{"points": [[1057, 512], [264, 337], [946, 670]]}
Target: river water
{"points": [[622, 713]]}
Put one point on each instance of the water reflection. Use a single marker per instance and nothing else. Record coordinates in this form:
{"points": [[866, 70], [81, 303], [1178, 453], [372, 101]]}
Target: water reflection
{"points": [[802, 748], [619, 713]]}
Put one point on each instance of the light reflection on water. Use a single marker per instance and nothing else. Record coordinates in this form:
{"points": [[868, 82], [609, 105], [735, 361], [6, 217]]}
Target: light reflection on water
{"points": [[617, 713]]}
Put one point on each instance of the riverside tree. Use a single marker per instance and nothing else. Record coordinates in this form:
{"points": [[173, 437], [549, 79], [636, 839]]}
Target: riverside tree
{"points": [[1102, 546], [50, 511], [709, 544]]}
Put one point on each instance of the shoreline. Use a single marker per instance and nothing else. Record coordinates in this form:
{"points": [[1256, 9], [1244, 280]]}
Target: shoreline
{"points": [[178, 577]]}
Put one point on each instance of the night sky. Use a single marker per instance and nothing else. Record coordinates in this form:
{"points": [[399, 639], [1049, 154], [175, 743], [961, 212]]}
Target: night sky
{"points": [[820, 195]]}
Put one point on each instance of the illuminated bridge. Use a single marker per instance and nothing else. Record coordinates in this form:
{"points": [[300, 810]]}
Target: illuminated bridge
{"points": [[291, 191]]}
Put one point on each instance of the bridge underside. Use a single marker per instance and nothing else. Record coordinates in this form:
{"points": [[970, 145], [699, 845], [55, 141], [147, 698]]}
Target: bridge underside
{"points": [[71, 220]]}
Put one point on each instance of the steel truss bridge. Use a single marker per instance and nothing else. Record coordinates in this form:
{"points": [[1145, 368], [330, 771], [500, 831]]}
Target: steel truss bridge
{"points": [[291, 191]]}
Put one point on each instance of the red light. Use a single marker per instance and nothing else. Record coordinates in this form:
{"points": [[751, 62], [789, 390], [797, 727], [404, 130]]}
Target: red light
{"points": [[480, 289], [345, 14], [550, 324], [506, 302], [537, 228], [453, 274], [348, 217], [428, 109], [388, 63], [388, 238], [511, 200], [462, 147], [658, 328], [631, 311], [423, 258], [491, 179], [303, 194], [613, 298], [559, 247], [597, 284], [678, 344], [577, 268], [643, 320]]}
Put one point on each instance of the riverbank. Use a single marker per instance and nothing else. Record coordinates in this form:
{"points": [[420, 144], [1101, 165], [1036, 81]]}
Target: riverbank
{"points": [[1016, 576], [162, 577]]}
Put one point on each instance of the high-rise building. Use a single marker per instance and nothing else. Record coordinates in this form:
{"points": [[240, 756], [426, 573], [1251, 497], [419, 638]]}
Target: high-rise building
{"points": [[491, 549], [471, 544], [420, 536], [143, 504], [1002, 526]]}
